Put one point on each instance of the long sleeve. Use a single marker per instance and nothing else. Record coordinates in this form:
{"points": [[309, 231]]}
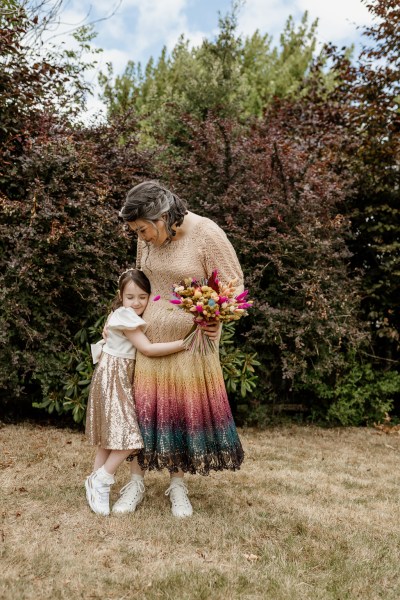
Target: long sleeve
{"points": [[218, 253]]}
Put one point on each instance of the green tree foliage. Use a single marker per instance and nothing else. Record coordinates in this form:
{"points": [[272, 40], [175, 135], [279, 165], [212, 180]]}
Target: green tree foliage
{"points": [[228, 76], [61, 187], [361, 394], [272, 185], [299, 167], [369, 95], [32, 85]]}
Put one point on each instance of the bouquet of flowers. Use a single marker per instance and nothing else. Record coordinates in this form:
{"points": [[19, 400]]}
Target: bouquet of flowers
{"points": [[209, 301]]}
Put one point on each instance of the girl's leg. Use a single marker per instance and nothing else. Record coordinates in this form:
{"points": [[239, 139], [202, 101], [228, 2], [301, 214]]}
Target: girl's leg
{"points": [[115, 458], [99, 482], [101, 456]]}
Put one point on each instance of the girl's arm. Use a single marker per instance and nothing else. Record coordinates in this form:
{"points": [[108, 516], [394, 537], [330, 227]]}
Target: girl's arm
{"points": [[142, 343]]}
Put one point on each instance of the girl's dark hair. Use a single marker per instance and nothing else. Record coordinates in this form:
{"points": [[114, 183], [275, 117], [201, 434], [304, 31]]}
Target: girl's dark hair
{"points": [[151, 202], [137, 277]]}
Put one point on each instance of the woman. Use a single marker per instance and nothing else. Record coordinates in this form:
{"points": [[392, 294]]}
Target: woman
{"points": [[181, 401]]}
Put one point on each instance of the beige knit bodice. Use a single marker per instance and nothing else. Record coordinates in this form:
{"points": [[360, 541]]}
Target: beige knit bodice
{"points": [[196, 255]]}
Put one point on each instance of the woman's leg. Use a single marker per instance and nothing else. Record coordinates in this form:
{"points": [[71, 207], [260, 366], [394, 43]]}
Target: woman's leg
{"points": [[179, 473], [136, 468], [178, 495], [133, 492]]}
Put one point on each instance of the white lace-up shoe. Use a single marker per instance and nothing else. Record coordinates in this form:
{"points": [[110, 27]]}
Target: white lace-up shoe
{"points": [[98, 491], [178, 494], [130, 496]]}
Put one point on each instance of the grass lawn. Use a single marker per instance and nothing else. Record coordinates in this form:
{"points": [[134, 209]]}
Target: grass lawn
{"points": [[313, 514]]}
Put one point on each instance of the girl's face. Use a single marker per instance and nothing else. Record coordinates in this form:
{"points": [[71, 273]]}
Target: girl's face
{"points": [[134, 297], [152, 233]]}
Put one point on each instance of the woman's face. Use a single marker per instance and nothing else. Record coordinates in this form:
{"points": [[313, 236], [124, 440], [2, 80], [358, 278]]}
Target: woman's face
{"points": [[151, 232]]}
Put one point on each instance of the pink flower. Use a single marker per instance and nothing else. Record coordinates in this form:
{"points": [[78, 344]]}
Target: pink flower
{"points": [[199, 308], [213, 281], [156, 298], [176, 301], [242, 296], [222, 299], [245, 305]]}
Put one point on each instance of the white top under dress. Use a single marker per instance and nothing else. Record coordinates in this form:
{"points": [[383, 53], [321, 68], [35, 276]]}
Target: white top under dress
{"points": [[117, 343]]}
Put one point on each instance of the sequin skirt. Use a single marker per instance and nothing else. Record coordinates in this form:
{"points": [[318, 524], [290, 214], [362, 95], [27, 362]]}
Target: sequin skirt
{"points": [[111, 420], [184, 414]]}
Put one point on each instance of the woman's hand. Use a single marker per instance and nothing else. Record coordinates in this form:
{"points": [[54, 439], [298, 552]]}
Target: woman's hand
{"points": [[104, 333], [213, 331]]}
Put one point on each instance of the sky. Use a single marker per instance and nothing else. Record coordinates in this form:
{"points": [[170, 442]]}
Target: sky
{"points": [[138, 29]]}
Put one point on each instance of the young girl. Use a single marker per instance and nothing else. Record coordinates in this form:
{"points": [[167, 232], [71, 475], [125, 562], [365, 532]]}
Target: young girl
{"points": [[111, 422]]}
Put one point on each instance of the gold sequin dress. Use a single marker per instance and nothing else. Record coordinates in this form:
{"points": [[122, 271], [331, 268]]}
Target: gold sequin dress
{"points": [[181, 401], [111, 420]]}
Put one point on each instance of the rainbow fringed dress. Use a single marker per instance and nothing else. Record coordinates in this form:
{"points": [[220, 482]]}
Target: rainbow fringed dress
{"points": [[181, 401]]}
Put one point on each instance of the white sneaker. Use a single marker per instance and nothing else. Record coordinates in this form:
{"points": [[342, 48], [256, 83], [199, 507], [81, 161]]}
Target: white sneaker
{"points": [[98, 491], [130, 496], [178, 494]]}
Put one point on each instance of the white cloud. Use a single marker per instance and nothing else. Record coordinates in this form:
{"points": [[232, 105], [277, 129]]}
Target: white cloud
{"points": [[338, 20], [268, 16]]}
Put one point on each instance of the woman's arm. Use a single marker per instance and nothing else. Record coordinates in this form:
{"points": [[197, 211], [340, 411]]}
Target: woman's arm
{"points": [[219, 254], [142, 343]]}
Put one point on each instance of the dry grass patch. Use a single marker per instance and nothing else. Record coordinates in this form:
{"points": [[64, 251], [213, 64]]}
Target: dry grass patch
{"points": [[313, 514]]}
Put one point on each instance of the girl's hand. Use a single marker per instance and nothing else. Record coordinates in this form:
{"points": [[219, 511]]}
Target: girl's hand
{"points": [[213, 331], [104, 333]]}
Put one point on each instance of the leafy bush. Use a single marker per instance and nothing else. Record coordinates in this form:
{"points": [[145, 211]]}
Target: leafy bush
{"points": [[272, 185], [66, 380], [360, 395], [62, 247], [295, 187]]}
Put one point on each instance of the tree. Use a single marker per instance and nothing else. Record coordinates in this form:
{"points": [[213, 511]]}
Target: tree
{"points": [[272, 185], [227, 76], [369, 94], [61, 186]]}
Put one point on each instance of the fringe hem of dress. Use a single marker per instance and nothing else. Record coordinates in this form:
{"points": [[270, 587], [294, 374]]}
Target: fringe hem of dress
{"points": [[202, 464]]}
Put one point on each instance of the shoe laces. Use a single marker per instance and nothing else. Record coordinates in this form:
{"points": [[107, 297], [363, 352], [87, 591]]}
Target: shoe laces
{"points": [[179, 497], [134, 483]]}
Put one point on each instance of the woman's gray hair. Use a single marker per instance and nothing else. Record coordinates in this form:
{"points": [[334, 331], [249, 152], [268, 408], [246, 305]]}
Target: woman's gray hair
{"points": [[151, 201]]}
